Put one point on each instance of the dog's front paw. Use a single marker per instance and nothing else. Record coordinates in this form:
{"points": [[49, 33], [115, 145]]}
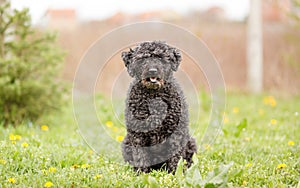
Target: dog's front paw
{"points": [[157, 107]]}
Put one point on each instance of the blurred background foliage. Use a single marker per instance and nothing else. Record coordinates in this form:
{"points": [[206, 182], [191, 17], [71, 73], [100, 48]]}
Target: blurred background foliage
{"points": [[30, 62], [35, 62]]}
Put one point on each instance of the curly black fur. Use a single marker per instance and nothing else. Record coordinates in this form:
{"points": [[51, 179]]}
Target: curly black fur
{"points": [[156, 111]]}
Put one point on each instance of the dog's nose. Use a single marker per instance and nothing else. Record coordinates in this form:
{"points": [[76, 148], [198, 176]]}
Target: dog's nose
{"points": [[153, 70]]}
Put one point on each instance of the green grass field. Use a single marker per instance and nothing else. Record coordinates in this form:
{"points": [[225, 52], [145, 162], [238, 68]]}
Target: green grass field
{"points": [[259, 147]]}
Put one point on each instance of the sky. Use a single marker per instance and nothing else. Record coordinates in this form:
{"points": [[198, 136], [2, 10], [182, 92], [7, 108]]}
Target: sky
{"points": [[101, 9]]}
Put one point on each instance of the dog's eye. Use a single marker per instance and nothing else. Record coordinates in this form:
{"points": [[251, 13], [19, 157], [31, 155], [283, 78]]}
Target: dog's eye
{"points": [[141, 62]]}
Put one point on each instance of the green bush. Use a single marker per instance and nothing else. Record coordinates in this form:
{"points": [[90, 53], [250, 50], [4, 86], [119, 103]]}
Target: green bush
{"points": [[29, 67]]}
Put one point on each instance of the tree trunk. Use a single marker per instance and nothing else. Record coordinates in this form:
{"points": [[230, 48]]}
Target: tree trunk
{"points": [[254, 48]]}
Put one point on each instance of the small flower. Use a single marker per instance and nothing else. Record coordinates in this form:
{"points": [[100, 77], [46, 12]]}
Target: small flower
{"points": [[115, 129], [269, 100], [281, 166], [109, 124], [91, 152], [273, 121], [85, 166], [18, 137], [235, 110], [2, 161], [12, 137], [261, 112], [273, 103], [48, 184], [206, 146], [225, 120], [291, 143], [247, 139], [120, 138], [97, 176], [74, 166], [11, 180], [266, 100], [52, 169], [13, 142], [296, 113], [248, 165], [45, 172], [44, 128], [24, 145]]}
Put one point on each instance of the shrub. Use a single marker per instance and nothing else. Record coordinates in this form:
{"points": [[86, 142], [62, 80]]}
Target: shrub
{"points": [[29, 67]]}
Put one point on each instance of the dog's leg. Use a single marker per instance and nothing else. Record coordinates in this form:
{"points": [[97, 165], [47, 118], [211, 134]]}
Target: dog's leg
{"points": [[171, 163], [190, 149], [127, 150]]}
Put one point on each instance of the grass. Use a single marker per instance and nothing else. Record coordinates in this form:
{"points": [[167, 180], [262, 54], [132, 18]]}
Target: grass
{"points": [[259, 147]]}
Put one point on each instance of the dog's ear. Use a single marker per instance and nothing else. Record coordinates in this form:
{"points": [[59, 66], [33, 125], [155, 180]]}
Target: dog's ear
{"points": [[176, 59], [127, 58]]}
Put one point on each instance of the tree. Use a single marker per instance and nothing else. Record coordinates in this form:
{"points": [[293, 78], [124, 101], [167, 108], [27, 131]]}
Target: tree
{"points": [[254, 48], [29, 67]]}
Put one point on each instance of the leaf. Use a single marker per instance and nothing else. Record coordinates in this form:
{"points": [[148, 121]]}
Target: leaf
{"points": [[152, 182], [240, 127], [193, 176], [210, 185], [179, 171], [195, 159], [219, 175], [225, 132]]}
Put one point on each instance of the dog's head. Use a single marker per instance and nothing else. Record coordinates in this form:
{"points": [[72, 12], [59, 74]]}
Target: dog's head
{"points": [[152, 63]]}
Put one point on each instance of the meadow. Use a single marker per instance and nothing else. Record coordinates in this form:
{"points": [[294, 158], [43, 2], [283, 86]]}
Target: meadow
{"points": [[259, 146]]}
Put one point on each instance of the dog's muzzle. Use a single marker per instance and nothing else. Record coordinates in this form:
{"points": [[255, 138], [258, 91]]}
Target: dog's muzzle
{"points": [[152, 79]]}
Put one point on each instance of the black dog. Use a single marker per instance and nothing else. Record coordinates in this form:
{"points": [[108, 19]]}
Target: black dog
{"points": [[156, 112]]}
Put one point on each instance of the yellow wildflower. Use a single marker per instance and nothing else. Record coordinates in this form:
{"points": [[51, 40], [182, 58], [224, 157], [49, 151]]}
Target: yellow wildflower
{"points": [[280, 166], [235, 110], [225, 120], [97, 176], [109, 124], [11, 180], [261, 112], [44, 128], [273, 103], [2, 161], [120, 138], [52, 169], [13, 142], [115, 129], [206, 146], [291, 143], [248, 165], [24, 144], [91, 152], [85, 166], [273, 121], [12, 137], [74, 166], [45, 172], [247, 139], [18, 137], [269, 100], [48, 184]]}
